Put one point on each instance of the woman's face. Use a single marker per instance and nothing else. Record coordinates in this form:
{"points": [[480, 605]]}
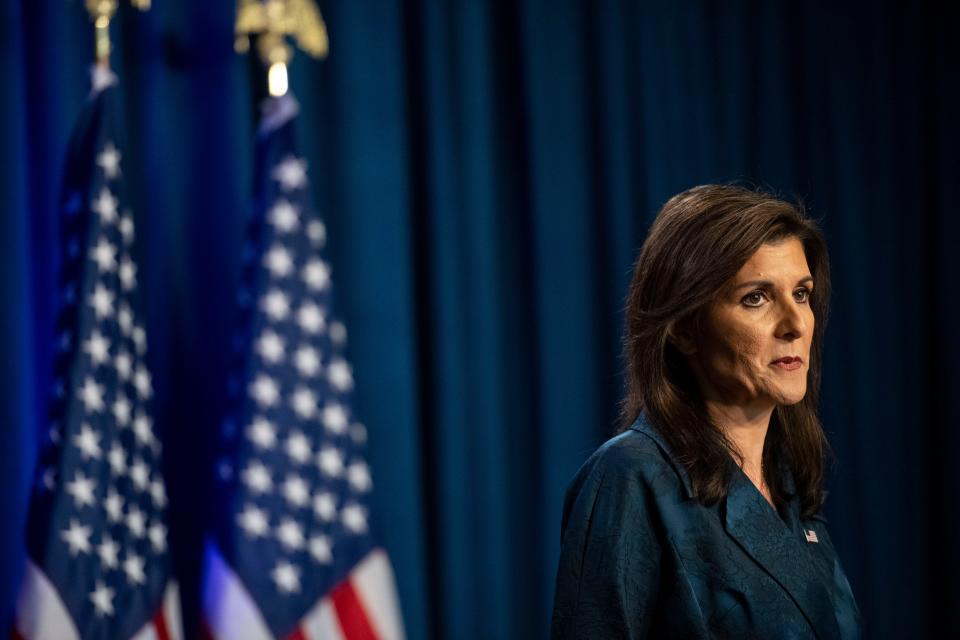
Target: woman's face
{"points": [[753, 349]]}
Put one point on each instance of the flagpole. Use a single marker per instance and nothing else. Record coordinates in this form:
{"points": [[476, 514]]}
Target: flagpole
{"points": [[295, 559], [101, 12], [272, 21], [98, 561]]}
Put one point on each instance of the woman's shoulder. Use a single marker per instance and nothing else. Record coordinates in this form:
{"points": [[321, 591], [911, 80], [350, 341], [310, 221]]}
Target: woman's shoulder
{"points": [[630, 447], [628, 476], [635, 456]]}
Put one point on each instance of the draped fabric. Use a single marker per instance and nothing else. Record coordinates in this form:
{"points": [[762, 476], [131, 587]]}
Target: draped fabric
{"points": [[487, 172]]}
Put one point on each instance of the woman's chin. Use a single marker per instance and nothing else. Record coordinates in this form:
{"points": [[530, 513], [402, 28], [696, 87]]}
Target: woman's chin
{"points": [[791, 396]]}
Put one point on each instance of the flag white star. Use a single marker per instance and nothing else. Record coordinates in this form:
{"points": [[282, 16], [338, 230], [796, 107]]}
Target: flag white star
{"points": [[321, 549], [158, 493], [143, 429], [334, 417], [295, 491], [264, 390], [325, 506], [102, 301], [141, 380], [158, 536], [97, 347], [303, 402], [125, 318], [310, 318], [126, 228], [340, 375], [257, 477], [354, 518], [287, 577], [330, 461], [276, 304], [121, 410], [81, 490], [358, 475], [254, 521], [49, 480], [77, 537], [283, 216], [140, 474], [317, 233], [291, 173], [262, 432], [298, 447], [88, 441], [102, 599], [105, 255], [290, 534], [109, 161], [91, 395], [278, 261], [307, 361], [108, 550], [124, 365], [133, 567], [270, 346], [117, 459], [128, 273], [338, 333], [105, 206], [136, 521], [358, 433], [139, 337], [316, 275], [113, 505]]}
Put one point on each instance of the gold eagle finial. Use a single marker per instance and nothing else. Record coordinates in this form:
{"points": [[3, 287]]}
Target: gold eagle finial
{"points": [[273, 20], [101, 11]]}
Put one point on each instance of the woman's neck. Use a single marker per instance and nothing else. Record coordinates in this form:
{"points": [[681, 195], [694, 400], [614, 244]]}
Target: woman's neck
{"points": [[747, 431]]}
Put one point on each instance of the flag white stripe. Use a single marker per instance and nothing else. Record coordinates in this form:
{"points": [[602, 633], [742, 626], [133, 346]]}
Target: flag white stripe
{"points": [[171, 617], [230, 611], [149, 632], [171, 611], [321, 623], [375, 586], [41, 614]]}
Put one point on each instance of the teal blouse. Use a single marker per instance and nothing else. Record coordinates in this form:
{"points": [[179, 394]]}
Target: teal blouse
{"points": [[641, 558]]}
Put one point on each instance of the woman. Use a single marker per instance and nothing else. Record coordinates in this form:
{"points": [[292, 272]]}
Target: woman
{"points": [[702, 518]]}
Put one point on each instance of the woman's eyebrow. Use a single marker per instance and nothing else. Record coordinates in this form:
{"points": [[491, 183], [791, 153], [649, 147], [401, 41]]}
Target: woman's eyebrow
{"points": [[762, 284]]}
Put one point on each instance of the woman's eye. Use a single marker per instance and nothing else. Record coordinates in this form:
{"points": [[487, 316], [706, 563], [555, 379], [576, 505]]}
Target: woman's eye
{"points": [[754, 299], [802, 295]]}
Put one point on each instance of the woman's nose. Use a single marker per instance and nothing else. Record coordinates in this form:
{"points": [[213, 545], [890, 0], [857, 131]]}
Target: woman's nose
{"points": [[792, 324]]}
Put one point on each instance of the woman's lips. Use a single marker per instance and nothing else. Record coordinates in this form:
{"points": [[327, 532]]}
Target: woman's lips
{"points": [[790, 363]]}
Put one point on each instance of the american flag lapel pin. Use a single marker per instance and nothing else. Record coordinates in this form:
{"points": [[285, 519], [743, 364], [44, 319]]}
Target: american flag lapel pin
{"points": [[811, 535]]}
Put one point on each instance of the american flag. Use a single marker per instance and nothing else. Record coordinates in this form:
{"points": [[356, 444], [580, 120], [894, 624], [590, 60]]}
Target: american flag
{"points": [[292, 554], [98, 563]]}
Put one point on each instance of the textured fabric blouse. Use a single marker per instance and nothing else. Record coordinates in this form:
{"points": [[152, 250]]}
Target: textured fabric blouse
{"points": [[641, 558]]}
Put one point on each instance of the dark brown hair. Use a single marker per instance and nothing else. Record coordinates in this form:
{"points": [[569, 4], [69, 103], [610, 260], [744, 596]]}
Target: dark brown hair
{"points": [[698, 242]]}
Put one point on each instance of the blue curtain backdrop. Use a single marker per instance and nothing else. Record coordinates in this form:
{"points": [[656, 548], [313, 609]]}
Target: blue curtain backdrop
{"points": [[487, 172]]}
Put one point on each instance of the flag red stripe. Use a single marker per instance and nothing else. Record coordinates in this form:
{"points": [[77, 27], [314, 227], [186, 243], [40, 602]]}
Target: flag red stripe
{"points": [[353, 619], [15, 634], [160, 625], [296, 634]]}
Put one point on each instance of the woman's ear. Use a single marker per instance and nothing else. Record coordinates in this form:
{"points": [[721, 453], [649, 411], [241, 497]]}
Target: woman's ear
{"points": [[681, 337]]}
